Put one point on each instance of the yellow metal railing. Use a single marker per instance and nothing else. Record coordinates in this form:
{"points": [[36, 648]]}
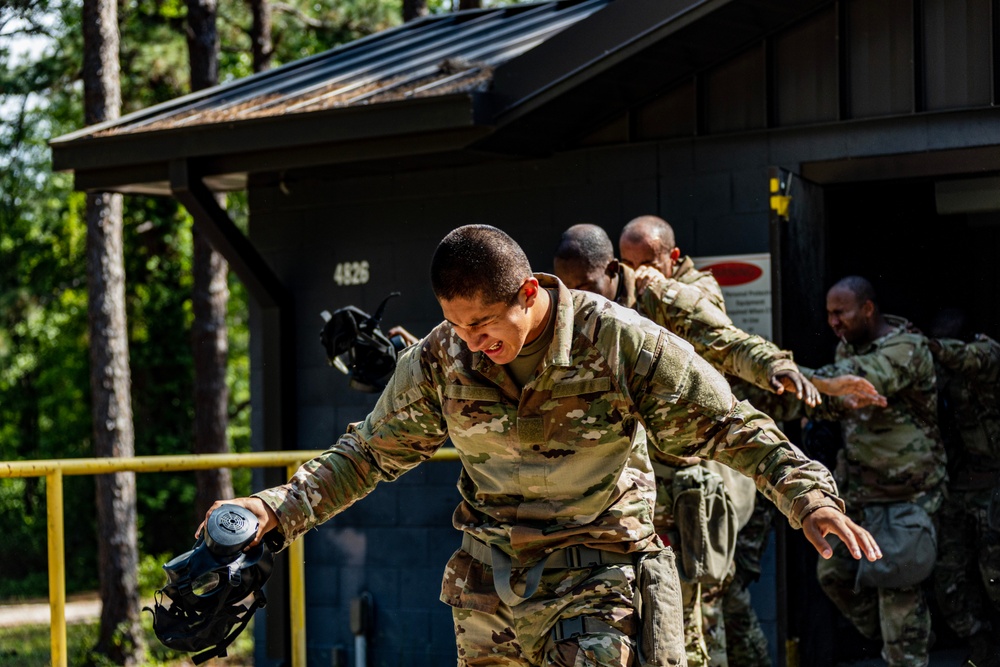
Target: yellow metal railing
{"points": [[54, 470]]}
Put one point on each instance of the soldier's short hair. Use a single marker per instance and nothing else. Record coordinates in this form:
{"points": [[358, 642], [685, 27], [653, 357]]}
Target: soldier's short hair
{"points": [[587, 243], [861, 288], [479, 261], [652, 230]]}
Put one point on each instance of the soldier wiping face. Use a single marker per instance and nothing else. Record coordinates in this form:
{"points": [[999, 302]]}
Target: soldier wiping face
{"points": [[483, 281], [649, 241]]}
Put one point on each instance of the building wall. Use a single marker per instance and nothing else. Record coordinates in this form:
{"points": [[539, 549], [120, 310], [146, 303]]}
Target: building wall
{"points": [[713, 190]]}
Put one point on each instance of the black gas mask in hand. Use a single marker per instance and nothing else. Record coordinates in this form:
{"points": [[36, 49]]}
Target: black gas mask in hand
{"points": [[213, 590]]}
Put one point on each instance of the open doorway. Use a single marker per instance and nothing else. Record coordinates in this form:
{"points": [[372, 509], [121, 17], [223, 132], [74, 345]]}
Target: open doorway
{"points": [[919, 261]]}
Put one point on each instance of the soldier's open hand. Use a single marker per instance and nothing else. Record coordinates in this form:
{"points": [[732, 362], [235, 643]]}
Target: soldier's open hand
{"points": [[797, 383], [856, 391], [827, 520]]}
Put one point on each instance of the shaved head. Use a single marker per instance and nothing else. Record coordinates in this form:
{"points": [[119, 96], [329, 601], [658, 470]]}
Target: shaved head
{"points": [[649, 241], [860, 287], [587, 243], [585, 260], [650, 229], [479, 261]]}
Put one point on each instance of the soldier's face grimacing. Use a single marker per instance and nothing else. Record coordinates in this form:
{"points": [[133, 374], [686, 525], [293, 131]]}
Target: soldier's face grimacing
{"points": [[848, 318], [498, 330]]}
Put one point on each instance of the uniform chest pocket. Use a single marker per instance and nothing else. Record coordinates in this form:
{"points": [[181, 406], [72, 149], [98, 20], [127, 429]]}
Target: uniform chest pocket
{"points": [[580, 387], [465, 392]]}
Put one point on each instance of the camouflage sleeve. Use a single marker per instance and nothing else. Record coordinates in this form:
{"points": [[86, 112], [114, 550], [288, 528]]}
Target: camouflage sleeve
{"points": [[689, 410], [779, 407], [831, 409], [890, 368], [978, 360], [684, 310], [404, 429]]}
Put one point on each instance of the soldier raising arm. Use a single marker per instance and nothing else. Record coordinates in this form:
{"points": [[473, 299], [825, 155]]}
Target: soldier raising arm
{"points": [[542, 392]]}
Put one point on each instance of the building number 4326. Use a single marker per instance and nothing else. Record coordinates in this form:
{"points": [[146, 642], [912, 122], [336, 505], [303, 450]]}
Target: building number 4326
{"points": [[351, 273]]}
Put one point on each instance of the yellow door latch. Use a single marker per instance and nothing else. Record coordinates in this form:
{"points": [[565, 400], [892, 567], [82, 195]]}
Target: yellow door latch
{"points": [[779, 202]]}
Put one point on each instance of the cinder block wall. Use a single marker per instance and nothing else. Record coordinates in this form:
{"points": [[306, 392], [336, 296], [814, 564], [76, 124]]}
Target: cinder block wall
{"points": [[394, 543]]}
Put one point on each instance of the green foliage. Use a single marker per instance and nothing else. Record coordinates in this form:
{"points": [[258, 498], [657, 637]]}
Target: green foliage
{"points": [[44, 356], [30, 646]]}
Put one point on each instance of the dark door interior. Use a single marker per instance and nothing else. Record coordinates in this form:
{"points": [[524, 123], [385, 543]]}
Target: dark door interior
{"points": [[919, 262]]}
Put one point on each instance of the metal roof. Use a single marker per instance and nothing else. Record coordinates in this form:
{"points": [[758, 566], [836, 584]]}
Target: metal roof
{"points": [[433, 56], [447, 89]]}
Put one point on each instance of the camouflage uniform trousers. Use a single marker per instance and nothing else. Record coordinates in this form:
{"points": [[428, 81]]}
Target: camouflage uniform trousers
{"points": [[967, 573], [704, 632], [522, 635], [746, 643], [899, 616]]}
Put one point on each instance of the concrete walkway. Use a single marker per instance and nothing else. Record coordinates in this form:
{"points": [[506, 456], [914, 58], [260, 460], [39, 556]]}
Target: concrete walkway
{"points": [[84, 607], [87, 607]]}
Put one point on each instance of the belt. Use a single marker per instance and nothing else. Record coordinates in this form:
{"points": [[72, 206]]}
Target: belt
{"points": [[568, 557]]}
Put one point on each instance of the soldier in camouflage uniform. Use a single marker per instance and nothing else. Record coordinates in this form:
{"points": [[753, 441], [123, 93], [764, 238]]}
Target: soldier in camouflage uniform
{"points": [[547, 394], [649, 241], [585, 260], [967, 575], [891, 454]]}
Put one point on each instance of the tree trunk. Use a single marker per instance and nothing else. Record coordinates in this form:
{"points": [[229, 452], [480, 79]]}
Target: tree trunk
{"points": [[211, 348], [414, 9], [211, 295], [120, 635], [203, 43], [260, 35], [470, 4]]}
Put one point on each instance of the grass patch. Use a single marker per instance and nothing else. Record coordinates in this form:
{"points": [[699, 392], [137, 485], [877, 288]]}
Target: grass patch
{"points": [[30, 646]]}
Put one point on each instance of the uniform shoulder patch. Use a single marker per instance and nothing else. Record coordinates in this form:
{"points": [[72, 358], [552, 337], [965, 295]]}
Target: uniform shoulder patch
{"points": [[406, 381]]}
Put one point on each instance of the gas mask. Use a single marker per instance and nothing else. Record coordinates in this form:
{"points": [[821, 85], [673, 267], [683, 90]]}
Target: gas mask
{"points": [[214, 589], [357, 347]]}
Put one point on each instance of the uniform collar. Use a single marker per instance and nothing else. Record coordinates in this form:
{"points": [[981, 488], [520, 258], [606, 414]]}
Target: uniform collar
{"points": [[560, 350], [683, 266], [626, 286]]}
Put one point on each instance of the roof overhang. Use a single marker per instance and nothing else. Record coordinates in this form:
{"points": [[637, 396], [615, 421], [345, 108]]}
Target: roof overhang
{"points": [[225, 153], [541, 101]]}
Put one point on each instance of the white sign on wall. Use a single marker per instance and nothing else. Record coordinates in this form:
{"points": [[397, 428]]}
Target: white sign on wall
{"points": [[746, 285]]}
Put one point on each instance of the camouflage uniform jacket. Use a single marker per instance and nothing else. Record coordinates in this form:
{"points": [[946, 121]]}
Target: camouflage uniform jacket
{"points": [[562, 461], [687, 312], [706, 283], [972, 372], [893, 453]]}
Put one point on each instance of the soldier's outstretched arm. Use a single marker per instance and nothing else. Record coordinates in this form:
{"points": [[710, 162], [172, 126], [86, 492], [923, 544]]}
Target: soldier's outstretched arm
{"points": [[684, 310], [827, 520], [798, 384], [689, 410], [856, 391], [266, 519]]}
